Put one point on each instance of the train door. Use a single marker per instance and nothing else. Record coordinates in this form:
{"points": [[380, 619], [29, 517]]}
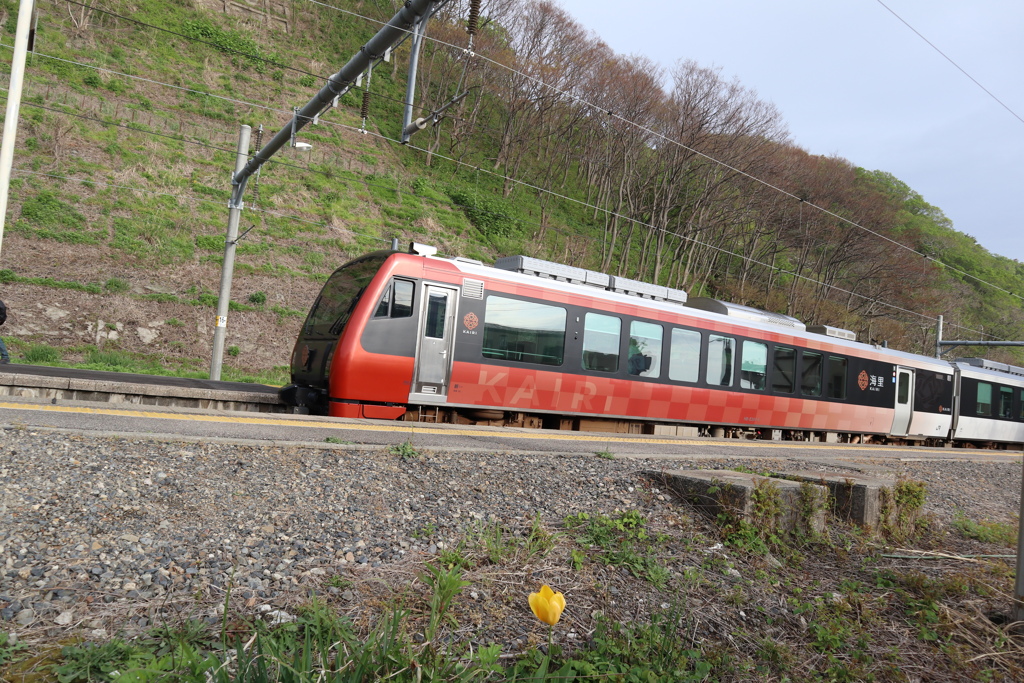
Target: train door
{"points": [[904, 401], [434, 346]]}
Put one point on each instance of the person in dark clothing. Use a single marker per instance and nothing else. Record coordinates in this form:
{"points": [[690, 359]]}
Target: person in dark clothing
{"points": [[4, 357]]}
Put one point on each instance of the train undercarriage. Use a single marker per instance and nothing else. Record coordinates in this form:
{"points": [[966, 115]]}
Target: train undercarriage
{"points": [[500, 418]]}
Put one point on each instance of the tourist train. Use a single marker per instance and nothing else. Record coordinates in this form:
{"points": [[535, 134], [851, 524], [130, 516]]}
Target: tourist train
{"points": [[529, 343]]}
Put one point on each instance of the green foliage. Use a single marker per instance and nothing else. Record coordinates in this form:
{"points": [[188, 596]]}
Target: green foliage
{"points": [[10, 649], [444, 583], [258, 298], [900, 509], [116, 286], [48, 217], [986, 531], [621, 541], [91, 661], [639, 652], [40, 354], [230, 42], [210, 242], [115, 361], [233, 351], [405, 450], [159, 239], [493, 217]]}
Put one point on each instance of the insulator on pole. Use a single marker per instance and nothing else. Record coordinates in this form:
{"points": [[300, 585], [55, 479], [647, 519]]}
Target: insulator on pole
{"points": [[474, 17], [365, 111]]}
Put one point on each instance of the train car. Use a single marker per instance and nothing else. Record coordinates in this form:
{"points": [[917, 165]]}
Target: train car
{"points": [[535, 344], [990, 403]]}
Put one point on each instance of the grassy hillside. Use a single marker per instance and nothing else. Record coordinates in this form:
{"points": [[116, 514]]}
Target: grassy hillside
{"points": [[129, 121]]}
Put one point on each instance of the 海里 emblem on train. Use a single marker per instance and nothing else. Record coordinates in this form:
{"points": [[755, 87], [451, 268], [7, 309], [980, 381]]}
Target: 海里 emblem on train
{"points": [[862, 380], [470, 321]]}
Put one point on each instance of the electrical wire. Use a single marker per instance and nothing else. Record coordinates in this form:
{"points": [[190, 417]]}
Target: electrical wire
{"points": [[720, 163], [496, 175], [578, 100], [100, 183], [539, 189], [950, 60]]}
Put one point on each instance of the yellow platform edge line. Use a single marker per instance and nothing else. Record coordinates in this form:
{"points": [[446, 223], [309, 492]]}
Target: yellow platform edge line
{"points": [[420, 428]]}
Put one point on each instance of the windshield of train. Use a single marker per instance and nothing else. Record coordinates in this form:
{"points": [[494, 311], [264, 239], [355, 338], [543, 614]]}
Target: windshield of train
{"points": [[340, 295]]}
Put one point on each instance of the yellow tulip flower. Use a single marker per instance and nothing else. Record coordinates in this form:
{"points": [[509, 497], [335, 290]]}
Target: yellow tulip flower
{"points": [[547, 605]]}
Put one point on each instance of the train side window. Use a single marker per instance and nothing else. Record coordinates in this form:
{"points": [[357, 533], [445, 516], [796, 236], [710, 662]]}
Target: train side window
{"points": [[1020, 410], [984, 399], [784, 370], [396, 301], [402, 308], [437, 307], [836, 377], [1006, 402], [903, 389], [810, 375], [644, 357], [684, 356], [384, 307], [523, 331], [720, 359], [601, 335], [754, 366]]}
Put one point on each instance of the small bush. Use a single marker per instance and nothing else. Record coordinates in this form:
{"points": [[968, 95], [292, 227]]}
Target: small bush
{"points": [[116, 285], [986, 531], [41, 354], [493, 217], [258, 298], [233, 351]]}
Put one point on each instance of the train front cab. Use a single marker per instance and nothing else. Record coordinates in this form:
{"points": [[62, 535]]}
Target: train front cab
{"points": [[377, 338]]}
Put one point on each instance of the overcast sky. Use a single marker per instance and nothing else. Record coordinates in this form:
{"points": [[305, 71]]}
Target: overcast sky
{"points": [[850, 79]]}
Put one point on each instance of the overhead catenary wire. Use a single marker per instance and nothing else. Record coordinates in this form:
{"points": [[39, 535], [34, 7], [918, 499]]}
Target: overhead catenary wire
{"points": [[729, 167], [950, 60], [580, 100], [516, 181], [539, 189], [103, 183]]}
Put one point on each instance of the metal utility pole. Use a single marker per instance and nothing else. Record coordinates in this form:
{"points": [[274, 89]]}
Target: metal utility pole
{"points": [[228, 269], [337, 85], [1018, 588], [1017, 609], [410, 86], [25, 13], [940, 342]]}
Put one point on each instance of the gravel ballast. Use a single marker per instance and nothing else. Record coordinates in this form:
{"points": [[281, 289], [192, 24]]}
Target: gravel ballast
{"points": [[94, 531]]}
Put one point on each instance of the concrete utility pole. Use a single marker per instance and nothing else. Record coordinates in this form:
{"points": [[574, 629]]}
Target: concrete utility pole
{"points": [[228, 269], [337, 85], [25, 13]]}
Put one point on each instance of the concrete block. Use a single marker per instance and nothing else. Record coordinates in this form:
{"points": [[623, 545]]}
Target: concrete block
{"points": [[855, 498], [717, 491]]}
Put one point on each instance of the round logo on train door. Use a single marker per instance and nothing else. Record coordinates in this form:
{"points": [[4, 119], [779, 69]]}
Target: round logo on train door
{"points": [[862, 380], [470, 321]]}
